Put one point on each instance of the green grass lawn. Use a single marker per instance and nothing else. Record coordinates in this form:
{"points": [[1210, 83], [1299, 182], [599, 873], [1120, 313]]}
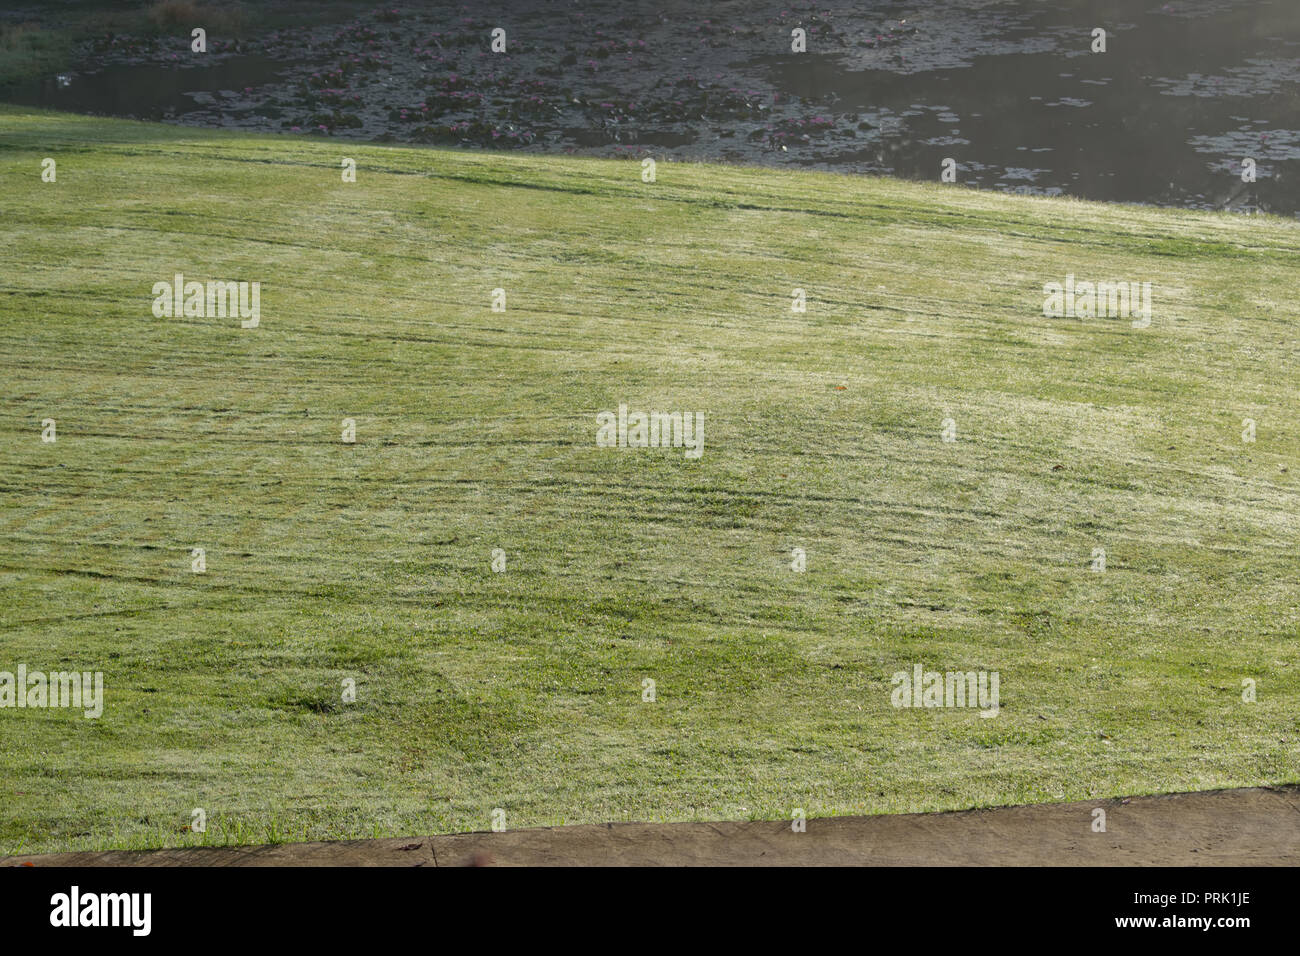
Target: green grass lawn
{"points": [[476, 430]]}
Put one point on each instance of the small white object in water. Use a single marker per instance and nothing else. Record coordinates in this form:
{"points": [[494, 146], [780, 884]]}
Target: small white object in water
{"points": [[65, 79]]}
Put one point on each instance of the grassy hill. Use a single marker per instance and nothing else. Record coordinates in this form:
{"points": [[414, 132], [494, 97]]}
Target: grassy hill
{"points": [[475, 430]]}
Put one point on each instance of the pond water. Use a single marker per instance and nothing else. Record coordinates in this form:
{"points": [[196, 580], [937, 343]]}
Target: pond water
{"points": [[1013, 93], [145, 90]]}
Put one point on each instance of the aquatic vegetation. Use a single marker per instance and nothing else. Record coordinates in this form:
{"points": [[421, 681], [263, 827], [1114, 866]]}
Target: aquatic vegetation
{"points": [[1258, 77], [793, 131]]}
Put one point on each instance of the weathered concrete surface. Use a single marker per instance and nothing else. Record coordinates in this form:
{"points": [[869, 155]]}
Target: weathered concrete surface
{"points": [[1257, 827]]}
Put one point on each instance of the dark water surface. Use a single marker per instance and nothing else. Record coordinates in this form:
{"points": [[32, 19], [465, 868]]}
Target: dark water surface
{"points": [[1011, 91], [1165, 116], [146, 91]]}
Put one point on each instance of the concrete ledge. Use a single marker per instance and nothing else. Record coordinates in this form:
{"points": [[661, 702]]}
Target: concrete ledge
{"points": [[1251, 827]]}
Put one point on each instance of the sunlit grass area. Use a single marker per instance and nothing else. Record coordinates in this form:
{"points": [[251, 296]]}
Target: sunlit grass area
{"points": [[524, 690]]}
